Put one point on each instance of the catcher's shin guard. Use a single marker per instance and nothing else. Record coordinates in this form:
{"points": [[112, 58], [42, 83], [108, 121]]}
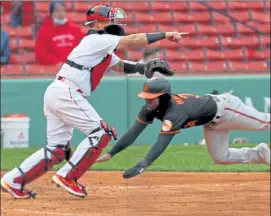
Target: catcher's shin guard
{"points": [[91, 154], [42, 165]]}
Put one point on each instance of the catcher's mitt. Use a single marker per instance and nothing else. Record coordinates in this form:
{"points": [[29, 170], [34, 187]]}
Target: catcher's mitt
{"points": [[157, 65]]}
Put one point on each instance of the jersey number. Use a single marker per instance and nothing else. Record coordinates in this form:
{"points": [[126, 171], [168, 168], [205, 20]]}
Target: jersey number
{"points": [[180, 98]]}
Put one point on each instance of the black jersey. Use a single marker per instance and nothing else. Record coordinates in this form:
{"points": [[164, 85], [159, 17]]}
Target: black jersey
{"points": [[183, 111]]}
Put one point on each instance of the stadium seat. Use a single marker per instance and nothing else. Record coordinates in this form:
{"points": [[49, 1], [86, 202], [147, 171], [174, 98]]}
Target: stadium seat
{"points": [[169, 28], [241, 15], [81, 6], [178, 66], [249, 66], [5, 20], [166, 6], [229, 42], [206, 29], [14, 45], [25, 31], [265, 41], [166, 44], [196, 6], [210, 42], [153, 18], [237, 5], [27, 45], [255, 5], [214, 55], [134, 55], [140, 29], [28, 58], [255, 54], [219, 18], [236, 54], [219, 5], [194, 55], [133, 6], [188, 28], [226, 29], [197, 66], [217, 66], [12, 69], [259, 65], [35, 69], [202, 17], [261, 17]]}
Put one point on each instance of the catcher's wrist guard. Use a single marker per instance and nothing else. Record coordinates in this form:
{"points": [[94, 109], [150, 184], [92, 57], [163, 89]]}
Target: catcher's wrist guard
{"points": [[133, 67], [153, 37]]}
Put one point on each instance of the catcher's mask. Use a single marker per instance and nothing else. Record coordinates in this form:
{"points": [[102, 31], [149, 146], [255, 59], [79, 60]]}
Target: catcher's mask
{"points": [[104, 12]]}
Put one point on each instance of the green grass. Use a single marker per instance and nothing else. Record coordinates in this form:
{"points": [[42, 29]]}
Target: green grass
{"points": [[193, 158]]}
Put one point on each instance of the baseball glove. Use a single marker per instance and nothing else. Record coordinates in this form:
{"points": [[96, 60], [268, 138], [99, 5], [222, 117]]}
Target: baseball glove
{"points": [[157, 65]]}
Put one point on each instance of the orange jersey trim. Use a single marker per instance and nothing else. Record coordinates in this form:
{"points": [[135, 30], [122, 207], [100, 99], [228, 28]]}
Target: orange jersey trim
{"points": [[139, 120], [170, 132]]}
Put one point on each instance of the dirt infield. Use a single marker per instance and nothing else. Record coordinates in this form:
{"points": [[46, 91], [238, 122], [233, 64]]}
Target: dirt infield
{"points": [[152, 193]]}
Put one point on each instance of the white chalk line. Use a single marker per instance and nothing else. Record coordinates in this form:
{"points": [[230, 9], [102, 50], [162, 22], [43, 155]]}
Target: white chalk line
{"points": [[159, 186], [38, 212]]}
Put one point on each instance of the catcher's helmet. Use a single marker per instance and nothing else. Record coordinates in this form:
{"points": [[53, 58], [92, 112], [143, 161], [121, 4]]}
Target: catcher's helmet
{"points": [[154, 88], [104, 12]]}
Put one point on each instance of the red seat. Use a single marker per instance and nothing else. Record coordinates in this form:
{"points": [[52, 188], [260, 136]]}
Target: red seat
{"points": [[226, 29], [257, 5], [25, 31], [28, 58], [243, 29], [233, 5], [12, 69], [202, 17], [134, 55], [265, 41], [236, 54], [214, 55], [166, 6], [261, 17], [197, 66], [13, 45], [249, 66], [26, 44], [81, 6], [188, 28], [156, 17], [76, 17], [133, 6], [35, 69], [241, 15], [5, 20], [195, 55], [219, 18], [255, 54], [220, 5], [251, 41], [217, 66], [197, 6], [206, 29], [210, 42], [178, 66], [166, 44], [257, 65], [169, 28]]}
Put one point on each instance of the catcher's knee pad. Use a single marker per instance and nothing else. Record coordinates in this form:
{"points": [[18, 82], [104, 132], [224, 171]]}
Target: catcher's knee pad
{"points": [[42, 165], [93, 152]]}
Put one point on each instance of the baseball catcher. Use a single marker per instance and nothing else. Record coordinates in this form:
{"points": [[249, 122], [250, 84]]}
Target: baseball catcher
{"points": [[66, 107], [217, 113]]}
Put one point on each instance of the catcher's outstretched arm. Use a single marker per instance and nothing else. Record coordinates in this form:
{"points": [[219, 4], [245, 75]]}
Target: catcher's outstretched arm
{"points": [[128, 138], [157, 149]]}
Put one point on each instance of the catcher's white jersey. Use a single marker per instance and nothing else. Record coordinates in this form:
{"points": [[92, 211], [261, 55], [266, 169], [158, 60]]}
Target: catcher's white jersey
{"points": [[89, 53]]}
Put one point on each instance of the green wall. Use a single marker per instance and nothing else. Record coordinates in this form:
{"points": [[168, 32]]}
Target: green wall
{"points": [[116, 101]]}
